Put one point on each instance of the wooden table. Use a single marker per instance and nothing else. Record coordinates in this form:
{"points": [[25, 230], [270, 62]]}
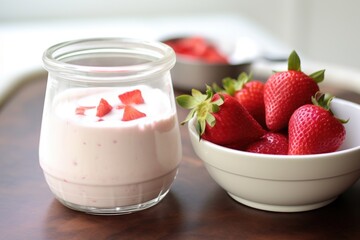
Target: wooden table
{"points": [[195, 208]]}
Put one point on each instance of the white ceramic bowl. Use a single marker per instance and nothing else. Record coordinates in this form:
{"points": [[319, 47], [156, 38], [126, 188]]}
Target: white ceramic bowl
{"points": [[286, 183]]}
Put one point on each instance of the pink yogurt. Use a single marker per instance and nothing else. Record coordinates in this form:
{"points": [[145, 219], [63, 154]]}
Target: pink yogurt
{"points": [[109, 163]]}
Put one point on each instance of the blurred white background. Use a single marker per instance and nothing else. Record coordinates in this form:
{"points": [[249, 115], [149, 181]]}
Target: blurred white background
{"points": [[324, 31]]}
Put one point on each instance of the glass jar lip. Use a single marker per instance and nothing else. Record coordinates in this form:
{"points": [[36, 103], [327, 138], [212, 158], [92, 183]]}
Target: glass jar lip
{"points": [[163, 59]]}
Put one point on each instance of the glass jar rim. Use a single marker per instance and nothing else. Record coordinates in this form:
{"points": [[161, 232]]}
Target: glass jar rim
{"points": [[163, 59]]}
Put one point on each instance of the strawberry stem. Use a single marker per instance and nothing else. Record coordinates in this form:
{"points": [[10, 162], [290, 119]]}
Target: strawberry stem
{"points": [[323, 100], [201, 106], [294, 64], [231, 85]]}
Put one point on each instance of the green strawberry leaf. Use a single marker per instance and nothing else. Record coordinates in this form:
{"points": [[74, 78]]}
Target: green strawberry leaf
{"points": [[217, 88], [202, 126], [243, 79], [294, 62], [216, 104], [198, 96], [186, 101], [199, 130], [318, 76], [229, 85], [210, 119], [190, 115]]}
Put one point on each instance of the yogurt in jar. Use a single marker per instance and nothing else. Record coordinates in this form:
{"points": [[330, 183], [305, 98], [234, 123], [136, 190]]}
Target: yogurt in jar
{"points": [[103, 162]]}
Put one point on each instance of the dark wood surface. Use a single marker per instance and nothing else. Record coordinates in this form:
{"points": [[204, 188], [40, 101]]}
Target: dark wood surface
{"points": [[195, 208]]}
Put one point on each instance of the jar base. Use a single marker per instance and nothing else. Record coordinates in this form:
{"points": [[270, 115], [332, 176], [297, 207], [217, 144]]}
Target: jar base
{"points": [[115, 199], [120, 210]]}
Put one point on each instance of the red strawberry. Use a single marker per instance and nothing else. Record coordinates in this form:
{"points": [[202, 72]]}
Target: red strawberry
{"points": [[286, 91], [221, 119], [132, 97], [250, 93], [212, 55], [131, 113], [270, 143], [191, 46], [194, 46], [80, 110], [103, 108], [197, 48], [314, 129]]}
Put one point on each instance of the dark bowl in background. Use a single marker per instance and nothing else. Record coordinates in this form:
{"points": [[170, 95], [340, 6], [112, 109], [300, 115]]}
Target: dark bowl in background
{"points": [[188, 73]]}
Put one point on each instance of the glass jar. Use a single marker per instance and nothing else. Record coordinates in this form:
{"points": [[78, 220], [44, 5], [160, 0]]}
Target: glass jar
{"points": [[110, 140]]}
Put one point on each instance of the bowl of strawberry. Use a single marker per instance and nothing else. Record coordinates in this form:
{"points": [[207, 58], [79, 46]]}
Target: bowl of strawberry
{"points": [[280, 145], [200, 61]]}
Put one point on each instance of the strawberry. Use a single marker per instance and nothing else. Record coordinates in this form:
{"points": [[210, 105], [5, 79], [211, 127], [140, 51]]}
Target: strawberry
{"points": [[212, 55], [286, 91], [131, 113], [80, 110], [270, 143], [132, 97], [193, 46], [250, 93], [314, 129], [103, 108], [220, 118], [197, 48]]}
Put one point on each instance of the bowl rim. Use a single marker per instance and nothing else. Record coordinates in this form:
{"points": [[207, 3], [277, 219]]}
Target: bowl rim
{"points": [[231, 164]]}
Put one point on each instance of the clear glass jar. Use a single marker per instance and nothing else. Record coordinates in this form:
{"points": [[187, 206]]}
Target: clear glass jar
{"points": [[107, 158]]}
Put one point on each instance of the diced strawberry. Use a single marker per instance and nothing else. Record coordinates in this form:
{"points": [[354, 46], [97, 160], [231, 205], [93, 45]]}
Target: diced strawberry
{"points": [[80, 110], [194, 46], [197, 48], [131, 113], [212, 55], [103, 108], [132, 97]]}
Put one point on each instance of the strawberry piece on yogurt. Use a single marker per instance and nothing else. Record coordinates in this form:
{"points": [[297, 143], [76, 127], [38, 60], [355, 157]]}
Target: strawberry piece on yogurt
{"points": [[131, 97], [103, 108], [80, 110], [131, 113]]}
